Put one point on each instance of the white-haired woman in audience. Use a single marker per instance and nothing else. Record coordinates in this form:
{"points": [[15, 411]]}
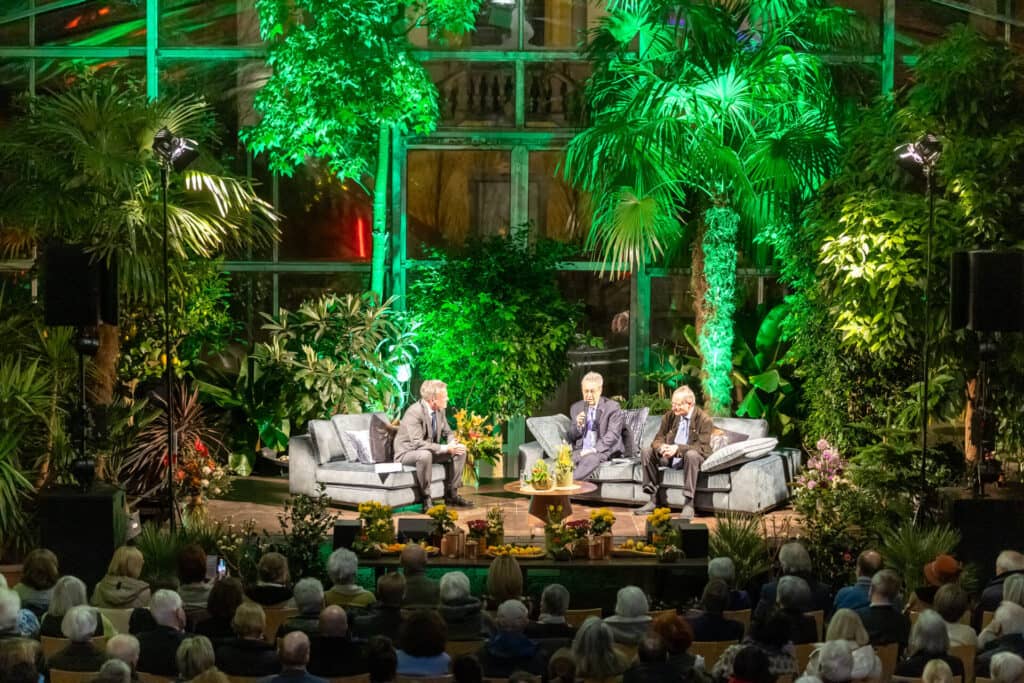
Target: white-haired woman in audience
{"points": [[79, 627], [1006, 667], [1013, 593], [846, 627], [25, 622], [460, 610], [937, 671], [551, 623], [632, 616], [69, 592], [597, 659], [928, 640], [122, 587], [725, 569], [114, 671], [194, 656], [510, 650], [1009, 627], [342, 567]]}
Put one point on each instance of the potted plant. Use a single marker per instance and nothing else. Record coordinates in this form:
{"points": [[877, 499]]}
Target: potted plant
{"points": [[495, 526], [477, 533], [481, 442], [579, 529], [601, 522], [663, 535], [540, 477], [558, 539], [378, 529], [564, 467], [445, 529]]}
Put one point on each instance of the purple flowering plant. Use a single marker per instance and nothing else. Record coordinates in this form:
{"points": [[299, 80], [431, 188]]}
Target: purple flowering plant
{"points": [[823, 471]]}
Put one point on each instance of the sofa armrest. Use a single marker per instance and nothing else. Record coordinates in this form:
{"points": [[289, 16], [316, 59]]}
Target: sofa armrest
{"points": [[530, 453], [302, 464]]}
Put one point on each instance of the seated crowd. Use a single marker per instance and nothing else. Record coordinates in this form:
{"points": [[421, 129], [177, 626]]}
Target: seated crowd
{"points": [[414, 626]]}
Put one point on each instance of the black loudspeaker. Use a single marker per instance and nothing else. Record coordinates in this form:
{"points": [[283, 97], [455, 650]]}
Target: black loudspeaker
{"points": [[693, 538], [76, 292], [80, 526], [986, 291], [345, 532], [414, 529]]}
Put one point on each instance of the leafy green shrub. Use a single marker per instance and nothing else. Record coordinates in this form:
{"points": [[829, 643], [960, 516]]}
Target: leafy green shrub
{"points": [[160, 546], [908, 548], [741, 538], [305, 522]]}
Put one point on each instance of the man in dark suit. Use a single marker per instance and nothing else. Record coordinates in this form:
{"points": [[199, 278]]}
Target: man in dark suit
{"points": [[384, 617], [333, 653], [682, 442], [424, 438], [595, 433], [294, 654], [883, 619], [159, 646]]}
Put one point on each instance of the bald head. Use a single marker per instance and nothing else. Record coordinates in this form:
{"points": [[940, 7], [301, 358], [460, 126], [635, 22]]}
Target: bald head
{"points": [[334, 622], [869, 563], [414, 559], [124, 647], [1009, 561], [294, 650]]}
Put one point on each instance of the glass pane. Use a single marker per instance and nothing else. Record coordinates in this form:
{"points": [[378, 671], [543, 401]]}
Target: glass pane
{"points": [[13, 82], [559, 24], [15, 33], [323, 218], [557, 210], [93, 23], [296, 288], [202, 22], [251, 294], [55, 75], [474, 94], [456, 194], [496, 28], [262, 180], [554, 94]]}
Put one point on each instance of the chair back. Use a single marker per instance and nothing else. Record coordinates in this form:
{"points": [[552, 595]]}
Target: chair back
{"points": [[887, 655], [52, 646], [119, 617], [740, 615], [802, 653], [359, 678], [457, 648], [153, 678], [710, 651], [58, 676], [965, 653], [986, 618], [661, 612], [819, 621], [424, 679], [275, 617], [576, 617]]}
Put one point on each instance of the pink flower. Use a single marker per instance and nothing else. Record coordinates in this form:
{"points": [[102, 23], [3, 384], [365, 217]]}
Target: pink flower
{"points": [[811, 484], [822, 444]]}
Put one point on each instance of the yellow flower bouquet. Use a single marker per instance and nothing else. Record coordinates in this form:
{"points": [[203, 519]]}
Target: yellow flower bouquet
{"points": [[481, 442]]}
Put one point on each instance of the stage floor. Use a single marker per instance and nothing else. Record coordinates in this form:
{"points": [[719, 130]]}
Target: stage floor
{"points": [[262, 498]]}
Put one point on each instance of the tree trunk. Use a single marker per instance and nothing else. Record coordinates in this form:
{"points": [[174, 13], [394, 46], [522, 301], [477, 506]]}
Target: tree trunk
{"points": [[380, 216], [716, 335], [101, 390], [970, 451]]}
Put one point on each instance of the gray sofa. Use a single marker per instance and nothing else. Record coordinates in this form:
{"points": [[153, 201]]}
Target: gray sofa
{"points": [[322, 456], [751, 485]]}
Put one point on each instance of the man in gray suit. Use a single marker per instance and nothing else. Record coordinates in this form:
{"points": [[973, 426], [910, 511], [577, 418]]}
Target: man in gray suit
{"points": [[596, 431], [424, 438]]}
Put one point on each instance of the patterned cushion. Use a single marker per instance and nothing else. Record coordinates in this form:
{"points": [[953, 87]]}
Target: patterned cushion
{"points": [[352, 422], [738, 452], [326, 444], [357, 444], [633, 421], [549, 431], [382, 439]]}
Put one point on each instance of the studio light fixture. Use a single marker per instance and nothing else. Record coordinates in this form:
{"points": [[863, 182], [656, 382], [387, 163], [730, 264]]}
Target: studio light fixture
{"points": [[175, 154], [919, 159]]}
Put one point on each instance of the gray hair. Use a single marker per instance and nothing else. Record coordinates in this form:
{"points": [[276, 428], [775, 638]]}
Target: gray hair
{"points": [[512, 616], [835, 662], [593, 648], [454, 586], [722, 567], [593, 378], [1006, 667], [1010, 616], [684, 391], [1013, 589], [124, 647], [342, 566], [937, 671], [631, 602], [67, 592], [793, 558], [194, 656], [929, 634], [431, 388], [793, 593], [115, 670], [309, 594], [1009, 561], [846, 624], [79, 623], [554, 600], [10, 605], [886, 585], [165, 606]]}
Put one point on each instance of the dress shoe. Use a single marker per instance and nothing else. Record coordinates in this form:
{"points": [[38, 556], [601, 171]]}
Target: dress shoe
{"points": [[457, 501], [687, 511], [428, 503], [646, 509]]}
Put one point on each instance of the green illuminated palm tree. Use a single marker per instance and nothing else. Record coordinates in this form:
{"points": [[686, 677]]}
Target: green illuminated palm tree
{"points": [[724, 112]]}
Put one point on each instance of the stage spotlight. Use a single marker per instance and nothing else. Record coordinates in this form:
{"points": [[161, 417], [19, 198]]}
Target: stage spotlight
{"points": [[921, 156], [177, 153]]}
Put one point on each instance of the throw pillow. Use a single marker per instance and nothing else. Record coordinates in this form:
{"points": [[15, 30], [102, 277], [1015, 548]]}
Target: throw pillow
{"points": [[633, 430], [720, 438], [325, 441], [549, 431], [358, 445], [382, 439], [736, 453]]}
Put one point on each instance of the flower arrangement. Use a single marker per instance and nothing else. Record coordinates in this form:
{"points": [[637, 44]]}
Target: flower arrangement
{"points": [[477, 528], [579, 528], [601, 521], [378, 527], [563, 466], [540, 477], [444, 519], [495, 526], [197, 475], [663, 536], [482, 444], [825, 470]]}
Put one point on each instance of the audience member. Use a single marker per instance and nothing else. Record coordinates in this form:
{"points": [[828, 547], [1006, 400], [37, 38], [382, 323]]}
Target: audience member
{"points": [[248, 654], [333, 653], [593, 649], [17, 652], [159, 646], [651, 665], [846, 627], [942, 570], [124, 647], [509, 649], [121, 588], [551, 623], [194, 656], [751, 665], [1008, 563], [928, 640], [709, 625], [26, 623], [794, 597], [192, 585], [39, 574], [213, 675], [79, 626], [225, 597], [381, 659], [631, 619], [725, 569], [10, 614], [835, 663], [1013, 593], [294, 655], [421, 645], [937, 671], [794, 561], [420, 591], [68, 592], [857, 596], [113, 671], [1007, 667], [562, 667], [342, 568], [384, 616], [467, 669], [1009, 624], [677, 636], [309, 599], [271, 589], [461, 611], [951, 603], [883, 619], [504, 581], [771, 635]]}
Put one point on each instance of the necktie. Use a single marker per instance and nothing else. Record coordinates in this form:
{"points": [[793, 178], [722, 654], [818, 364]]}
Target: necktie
{"points": [[433, 426]]}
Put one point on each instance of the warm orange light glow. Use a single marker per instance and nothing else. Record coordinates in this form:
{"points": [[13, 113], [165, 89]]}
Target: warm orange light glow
{"points": [[103, 11], [74, 22], [361, 236]]}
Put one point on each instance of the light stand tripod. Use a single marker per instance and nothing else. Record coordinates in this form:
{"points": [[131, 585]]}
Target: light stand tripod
{"points": [[983, 424], [83, 468]]}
